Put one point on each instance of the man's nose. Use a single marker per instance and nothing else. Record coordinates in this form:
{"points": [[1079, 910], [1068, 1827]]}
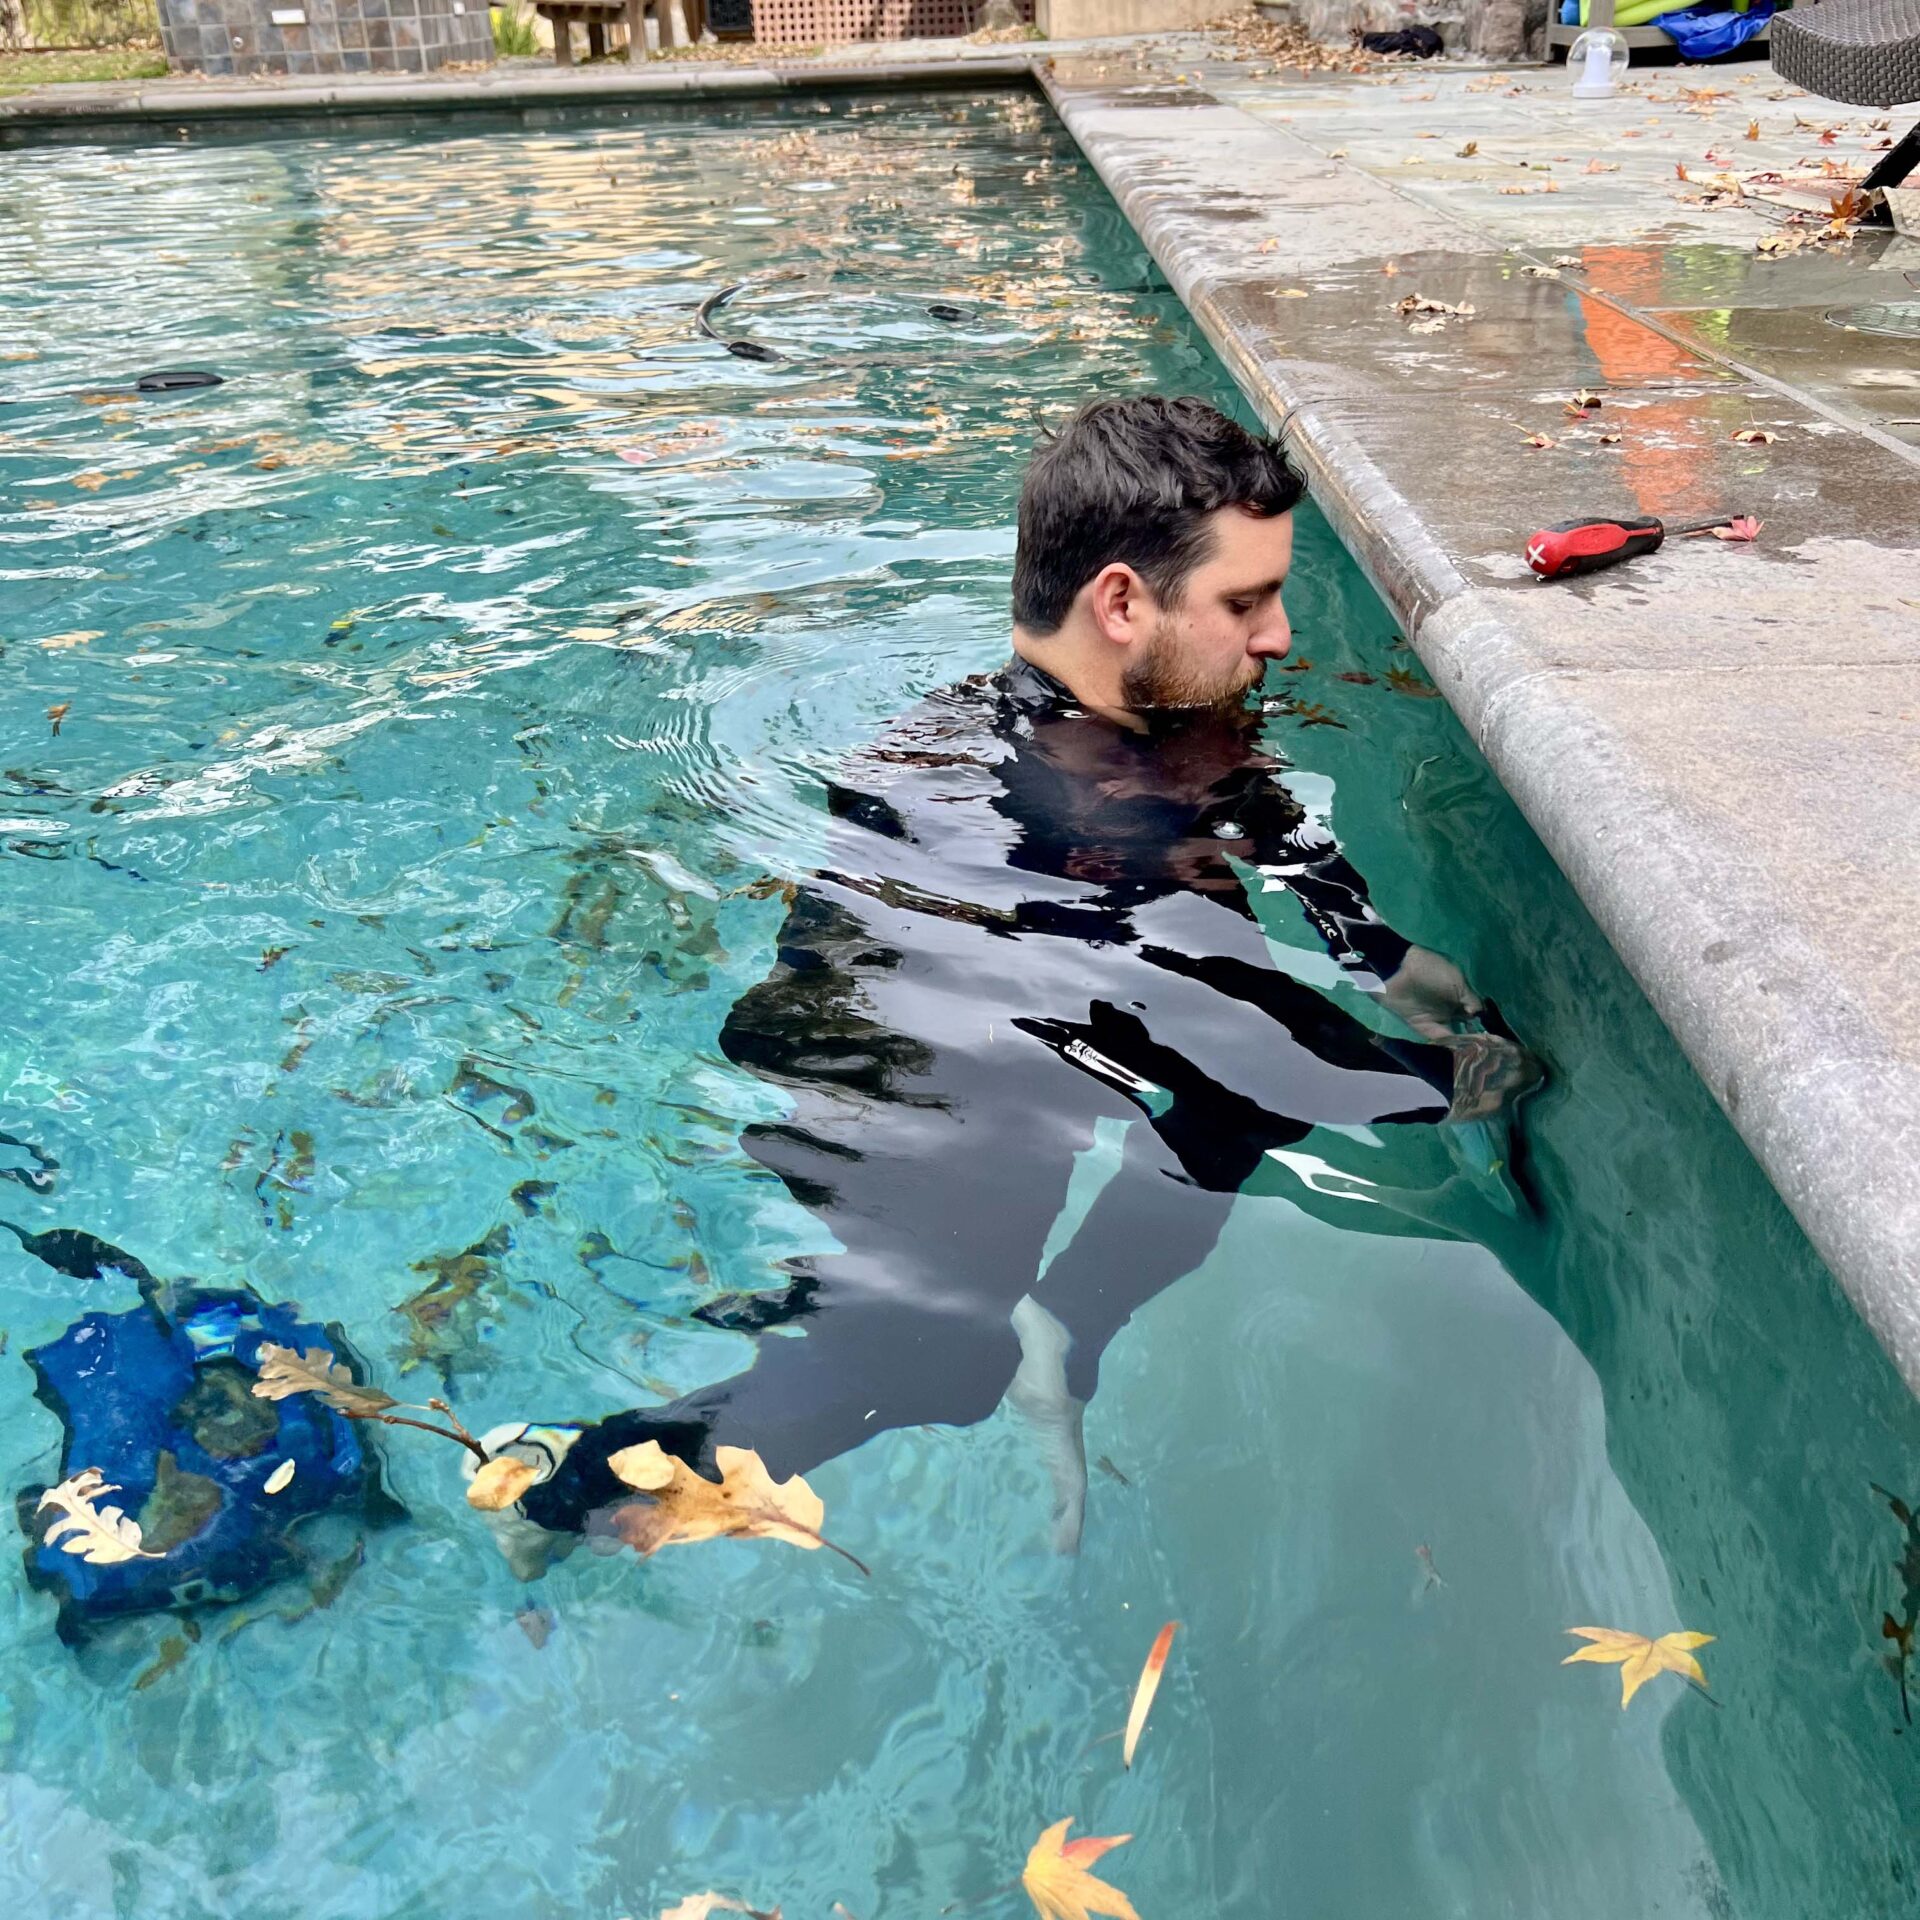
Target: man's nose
{"points": [[1272, 640]]}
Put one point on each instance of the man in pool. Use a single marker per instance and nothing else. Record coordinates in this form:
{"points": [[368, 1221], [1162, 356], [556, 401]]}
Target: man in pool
{"points": [[1034, 915]]}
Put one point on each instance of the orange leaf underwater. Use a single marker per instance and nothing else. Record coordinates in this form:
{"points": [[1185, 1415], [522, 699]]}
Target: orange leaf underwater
{"points": [[1144, 1692], [1639, 1658], [1059, 1885]]}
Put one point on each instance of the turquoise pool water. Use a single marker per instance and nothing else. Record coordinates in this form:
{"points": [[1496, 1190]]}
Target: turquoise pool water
{"points": [[436, 699]]}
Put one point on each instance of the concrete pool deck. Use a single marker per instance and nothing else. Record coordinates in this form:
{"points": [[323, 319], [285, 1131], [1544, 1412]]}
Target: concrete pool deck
{"points": [[1720, 744]]}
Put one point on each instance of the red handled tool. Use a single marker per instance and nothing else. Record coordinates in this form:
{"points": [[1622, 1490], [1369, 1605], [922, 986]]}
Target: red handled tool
{"points": [[1585, 546]]}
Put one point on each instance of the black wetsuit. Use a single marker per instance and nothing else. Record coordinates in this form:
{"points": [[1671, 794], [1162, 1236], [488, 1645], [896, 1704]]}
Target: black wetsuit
{"points": [[1029, 918]]}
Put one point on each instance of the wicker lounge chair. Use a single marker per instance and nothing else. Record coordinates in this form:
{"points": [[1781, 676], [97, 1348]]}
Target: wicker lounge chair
{"points": [[1865, 52]]}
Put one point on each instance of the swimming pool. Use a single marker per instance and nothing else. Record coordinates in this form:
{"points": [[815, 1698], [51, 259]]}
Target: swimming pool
{"points": [[435, 701]]}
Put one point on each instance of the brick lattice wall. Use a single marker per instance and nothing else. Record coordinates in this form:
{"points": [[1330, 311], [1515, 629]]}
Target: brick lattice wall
{"points": [[338, 36]]}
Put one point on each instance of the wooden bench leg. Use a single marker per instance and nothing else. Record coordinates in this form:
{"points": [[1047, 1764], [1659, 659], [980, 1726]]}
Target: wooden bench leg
{"points": [[563, 42], [636, 30], [596, 40]]}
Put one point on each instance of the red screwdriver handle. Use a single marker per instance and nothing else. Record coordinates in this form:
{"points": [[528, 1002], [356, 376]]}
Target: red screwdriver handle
{"points": [[1585, 546]]}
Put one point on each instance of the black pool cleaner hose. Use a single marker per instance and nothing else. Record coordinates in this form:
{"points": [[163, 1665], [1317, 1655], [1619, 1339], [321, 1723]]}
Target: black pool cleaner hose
{"points": [[178, 380]]}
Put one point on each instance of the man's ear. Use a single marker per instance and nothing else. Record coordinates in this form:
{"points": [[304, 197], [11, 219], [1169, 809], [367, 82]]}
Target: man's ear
{"points": [[1121, 604]]}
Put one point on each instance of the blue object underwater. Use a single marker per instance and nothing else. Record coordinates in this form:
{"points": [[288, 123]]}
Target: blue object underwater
{"points": [[160, 1399]]}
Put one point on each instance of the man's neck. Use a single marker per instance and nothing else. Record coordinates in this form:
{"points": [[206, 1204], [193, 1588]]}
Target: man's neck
{"points": [[1059, 660]]}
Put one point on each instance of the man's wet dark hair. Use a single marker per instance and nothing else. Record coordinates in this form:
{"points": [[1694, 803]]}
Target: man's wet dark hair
{"points": [[1133, 481]]}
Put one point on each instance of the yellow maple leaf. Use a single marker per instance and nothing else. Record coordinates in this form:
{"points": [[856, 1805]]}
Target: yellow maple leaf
{"points": [[1058, 1883], [1640, 1658], [746, 1502]]}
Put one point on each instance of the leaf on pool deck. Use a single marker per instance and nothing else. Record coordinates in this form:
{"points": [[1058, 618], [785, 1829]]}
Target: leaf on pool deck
{"points": [[285, 1371], [1541, 440], [1640, 1658], [1584, 402], [101, 1536], [700, 1906], [1148, 1687], [1058, 1883], [1753, 129], [1742, 527], [683, 1506], [1567, 260], [500, 1483], [280, 1478], [1420, 303], [1755, 437], [1468, 151]]}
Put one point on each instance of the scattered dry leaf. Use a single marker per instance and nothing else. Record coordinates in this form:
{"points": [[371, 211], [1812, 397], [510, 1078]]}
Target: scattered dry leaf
{"points": [[1567, 260], [683, 1506], [1419, 303], [1468, 151], [1755, 437], [500, 1483], [1753, 129], [1144, 1692], [287, 1370], [1603, 166], [1640, 1658], [1291, 293], [1742, 527], [1058, 1883], [91, 482], [1541, 440], [1541, 273], [58, 713], [1584, 402], [79, 638], [101, 1536]]}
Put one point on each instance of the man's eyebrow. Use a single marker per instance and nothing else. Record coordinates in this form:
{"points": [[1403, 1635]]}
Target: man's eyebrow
{"points": [[1262, 587]]}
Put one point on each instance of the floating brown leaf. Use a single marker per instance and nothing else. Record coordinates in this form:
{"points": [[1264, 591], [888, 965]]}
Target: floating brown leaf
{"points": [[500, 1483], [683, 1506], [1639, 1658], [58, 713], [286, 1370], [702, 1906], [101, 1536], [1058, 1883]]}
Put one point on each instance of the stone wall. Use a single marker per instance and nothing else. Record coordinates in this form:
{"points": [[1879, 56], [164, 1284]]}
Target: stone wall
{"points": [[324, 36]]}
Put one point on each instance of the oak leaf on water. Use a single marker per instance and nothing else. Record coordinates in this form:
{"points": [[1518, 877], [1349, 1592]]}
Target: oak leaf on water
{"points": [[1059, 1884], [746, 1502], [285, 1371], [101, 1536], [1640, 1658]]}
